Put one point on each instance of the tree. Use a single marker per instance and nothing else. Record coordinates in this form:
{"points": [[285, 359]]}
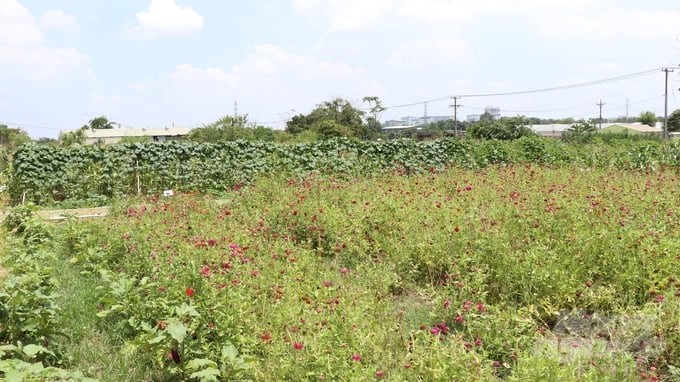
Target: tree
{"points": [[229, 128], [101, 122], [506, 128], [648, 118], [70, 138], [12, 137], [347, 120], [373, 125], [674, 121], [580, 132]]}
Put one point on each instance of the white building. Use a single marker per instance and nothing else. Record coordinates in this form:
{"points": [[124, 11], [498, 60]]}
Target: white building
{"points": [[108, 136]]}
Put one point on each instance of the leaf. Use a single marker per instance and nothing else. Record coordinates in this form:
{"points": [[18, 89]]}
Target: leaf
{"points": [[199, 363], [186, 310], [229, 352], [209, 374], [177, 331], [32, 350]]}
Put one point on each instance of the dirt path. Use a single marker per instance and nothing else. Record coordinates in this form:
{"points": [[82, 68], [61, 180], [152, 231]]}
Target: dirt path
{"points": [[95, 212]]}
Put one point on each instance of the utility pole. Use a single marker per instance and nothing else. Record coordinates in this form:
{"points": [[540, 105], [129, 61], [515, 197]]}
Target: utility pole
{"points": [[626, 110], [455, 107], [425, 114], [233, 122], [600, 105], [665, 109]]}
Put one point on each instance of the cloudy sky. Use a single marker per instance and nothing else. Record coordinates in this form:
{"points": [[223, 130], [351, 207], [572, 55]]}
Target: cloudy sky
{"points": [[155, 63]]}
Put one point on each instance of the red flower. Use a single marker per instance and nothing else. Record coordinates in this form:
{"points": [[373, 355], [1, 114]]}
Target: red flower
{"points": [[298, 345], [190, 292], [356, 357], [266, 337]]}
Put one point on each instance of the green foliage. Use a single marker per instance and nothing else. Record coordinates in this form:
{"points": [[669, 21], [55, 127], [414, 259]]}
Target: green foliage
{"points": [[444, 275], [580, 132], [44, 174], [674, 121], [101, 122], [331, 119], [229, 128], [72, 138], [648, 118], [507, 128], [10, 138]]}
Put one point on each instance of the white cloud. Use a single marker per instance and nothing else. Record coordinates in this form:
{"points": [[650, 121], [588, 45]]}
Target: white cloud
{"points": [[344, 14], [165, 17], [340, 15], [23, 49], [18, 25], [611, 23], [423, 52], [59, 20], [269, 81]]}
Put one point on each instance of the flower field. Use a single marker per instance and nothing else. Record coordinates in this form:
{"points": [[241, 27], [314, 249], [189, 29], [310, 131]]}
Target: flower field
{"points": [[455, 274]]}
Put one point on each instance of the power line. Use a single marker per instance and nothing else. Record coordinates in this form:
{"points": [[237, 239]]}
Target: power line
{"points": [[543, 90]]}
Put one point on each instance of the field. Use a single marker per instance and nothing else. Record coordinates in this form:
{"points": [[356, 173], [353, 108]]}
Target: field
{"points": [[517, 273]]}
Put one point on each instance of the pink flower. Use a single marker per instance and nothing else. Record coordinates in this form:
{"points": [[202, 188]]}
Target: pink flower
{"points": [[379, 374], [478, 342], [459, 319], [298, 345], [344, 270], [356, 357], [327, 283], [480, 307], [435, 330], [447, 303], [205, 271], [467, 305]]}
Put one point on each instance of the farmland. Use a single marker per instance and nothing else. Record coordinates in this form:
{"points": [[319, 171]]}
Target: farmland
{"points": [[459, 274]]}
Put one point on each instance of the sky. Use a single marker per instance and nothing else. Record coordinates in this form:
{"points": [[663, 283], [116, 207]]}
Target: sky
{"points": [[162, 63]]}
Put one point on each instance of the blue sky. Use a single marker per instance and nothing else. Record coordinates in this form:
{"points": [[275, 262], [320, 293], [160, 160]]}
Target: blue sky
{"points": [[155, 63]]}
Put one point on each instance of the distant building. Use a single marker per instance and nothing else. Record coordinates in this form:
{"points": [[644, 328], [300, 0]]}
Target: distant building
{"points": [[107, 136], [553, 130], [494, 111], [410, 121]]}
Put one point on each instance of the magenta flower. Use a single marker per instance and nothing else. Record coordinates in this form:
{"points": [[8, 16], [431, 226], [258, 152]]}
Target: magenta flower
{"points": [[356, 357]]}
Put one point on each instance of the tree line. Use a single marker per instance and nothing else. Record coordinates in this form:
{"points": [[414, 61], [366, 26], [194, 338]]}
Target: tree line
{"points": [[339, 118]]}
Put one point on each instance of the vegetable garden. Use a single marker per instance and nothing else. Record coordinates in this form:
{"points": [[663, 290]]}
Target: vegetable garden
{"points": [[344, 260]]}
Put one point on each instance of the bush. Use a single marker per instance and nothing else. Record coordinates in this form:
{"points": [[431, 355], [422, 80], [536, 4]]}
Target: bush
{"points": [[504, 129]]}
